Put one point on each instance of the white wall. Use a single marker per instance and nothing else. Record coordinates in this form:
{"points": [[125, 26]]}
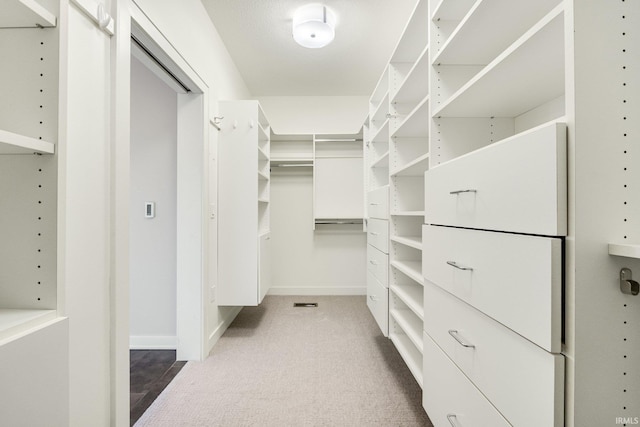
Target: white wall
{"points": [[315, 114], [152, 283]]}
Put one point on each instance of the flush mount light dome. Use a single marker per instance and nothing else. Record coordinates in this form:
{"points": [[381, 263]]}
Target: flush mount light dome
{"points": [[314, 26]]}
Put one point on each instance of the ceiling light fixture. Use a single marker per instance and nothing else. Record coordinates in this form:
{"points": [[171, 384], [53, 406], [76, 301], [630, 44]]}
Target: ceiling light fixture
{"points": [[314, 26]]}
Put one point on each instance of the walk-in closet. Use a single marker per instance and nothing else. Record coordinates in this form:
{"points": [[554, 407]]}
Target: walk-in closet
{"points": [[344, 212]]}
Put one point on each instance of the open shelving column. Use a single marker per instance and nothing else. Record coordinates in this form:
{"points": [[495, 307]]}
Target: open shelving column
{"points": [[28, 166]]}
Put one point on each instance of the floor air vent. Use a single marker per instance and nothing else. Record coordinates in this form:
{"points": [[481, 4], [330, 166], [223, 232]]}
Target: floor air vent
{"points": [[305, 304]]}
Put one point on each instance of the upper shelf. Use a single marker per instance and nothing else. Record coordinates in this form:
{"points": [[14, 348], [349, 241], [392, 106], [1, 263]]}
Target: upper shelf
{"points": [[416, 84], [527, 74], [484, 32], [415, 35], [451, 10], [625, 250], [12, 143], [25, 13]]}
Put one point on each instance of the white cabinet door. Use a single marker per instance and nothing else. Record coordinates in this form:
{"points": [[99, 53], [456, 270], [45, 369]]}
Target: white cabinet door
{"points": [[449, 398], [502, 364], [518, 185], [264, 282], [515, 279]]}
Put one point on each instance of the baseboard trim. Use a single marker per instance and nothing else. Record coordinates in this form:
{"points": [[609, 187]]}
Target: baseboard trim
{"points": [[153, 342], [319, 290], [217, 332]]}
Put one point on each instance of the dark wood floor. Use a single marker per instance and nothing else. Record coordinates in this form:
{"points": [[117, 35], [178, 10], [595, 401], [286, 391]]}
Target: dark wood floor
{"points": [[151, 371]]}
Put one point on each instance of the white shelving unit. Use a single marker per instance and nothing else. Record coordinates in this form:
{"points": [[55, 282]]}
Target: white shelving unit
{"points": [[29, 83], [244, 215], [291, 153], [408, 160]]}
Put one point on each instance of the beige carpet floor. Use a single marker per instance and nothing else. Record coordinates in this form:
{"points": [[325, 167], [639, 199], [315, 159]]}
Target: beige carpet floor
{"points": [[278, 365]]}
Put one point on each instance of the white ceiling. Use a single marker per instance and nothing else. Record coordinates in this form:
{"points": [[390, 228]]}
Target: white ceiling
{"points": [[257, 34]]}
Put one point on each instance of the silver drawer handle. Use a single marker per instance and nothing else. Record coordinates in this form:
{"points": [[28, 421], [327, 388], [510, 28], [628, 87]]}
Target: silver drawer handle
{"points": [[463, 191], [456, 337], [458, 266], [453, 420], [373, 263]]}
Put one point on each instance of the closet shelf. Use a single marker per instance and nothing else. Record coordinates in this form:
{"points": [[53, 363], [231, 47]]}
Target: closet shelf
{"points": [[448, 10], [416, 123], [415, 86], [15, 321], [414, 36], [410, 324], [382, 134], [261, 200], [25, 14], [416, 167], [413, 270], [527, 74], [484, 32], [407, 213], [13, 143], [624, 250], [263, 176], [411, 241], [263, 134], [379, 93], [409, 354], [262, 155], [382, 161], [380, 114]]}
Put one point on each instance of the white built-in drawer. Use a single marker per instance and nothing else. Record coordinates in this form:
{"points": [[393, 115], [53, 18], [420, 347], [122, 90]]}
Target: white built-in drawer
{"points": [[378, 203], [378, 302], [518, 185], [514, 278], [378, 264], [378, 234], [523, 381], [449, 398]]}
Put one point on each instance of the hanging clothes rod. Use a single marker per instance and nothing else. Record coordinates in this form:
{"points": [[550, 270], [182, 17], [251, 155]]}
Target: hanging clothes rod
{"points": [[356, 221], [293, 165], [339, 140]]}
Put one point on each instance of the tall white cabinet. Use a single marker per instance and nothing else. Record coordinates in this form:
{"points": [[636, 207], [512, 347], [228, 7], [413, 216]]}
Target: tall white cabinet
{"points": [[244, 238]]}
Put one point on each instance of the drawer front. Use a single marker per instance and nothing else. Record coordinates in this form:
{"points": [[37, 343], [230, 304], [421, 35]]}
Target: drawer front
{"points": [[378, 234], [513, 278], [517, 185], [378, 302], [498, 361], [448, 393], [378, 264], [378, 203]]}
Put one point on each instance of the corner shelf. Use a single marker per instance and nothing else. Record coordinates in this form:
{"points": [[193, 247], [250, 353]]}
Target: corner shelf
{"points": [[624, 250], [13, 143]]}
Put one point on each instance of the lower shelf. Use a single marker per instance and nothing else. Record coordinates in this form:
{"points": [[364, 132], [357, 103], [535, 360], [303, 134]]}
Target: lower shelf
{"points": [[625, 250], [410, 354], [15, 321]]}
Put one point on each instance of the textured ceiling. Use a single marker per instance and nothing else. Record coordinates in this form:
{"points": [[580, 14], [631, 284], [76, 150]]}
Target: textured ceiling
{"points": [[257, 34]]}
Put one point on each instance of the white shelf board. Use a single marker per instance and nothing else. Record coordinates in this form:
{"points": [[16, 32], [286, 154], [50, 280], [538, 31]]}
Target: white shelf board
{"points": [[13, 143], [410, 324], [412, 269], [25, 13], [16, 321], [452, 10], [414, 36], [411, 296], [262, 154], [263, 176], [380, 114], [381, 90], [416, 167], [263, 134], [407, 213], [382, 134], [625, 250], [411, 241], [382, 161], [527, 74], [263, 200], [415, 86], [416, 124], [409, 354], [484, 32]]}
